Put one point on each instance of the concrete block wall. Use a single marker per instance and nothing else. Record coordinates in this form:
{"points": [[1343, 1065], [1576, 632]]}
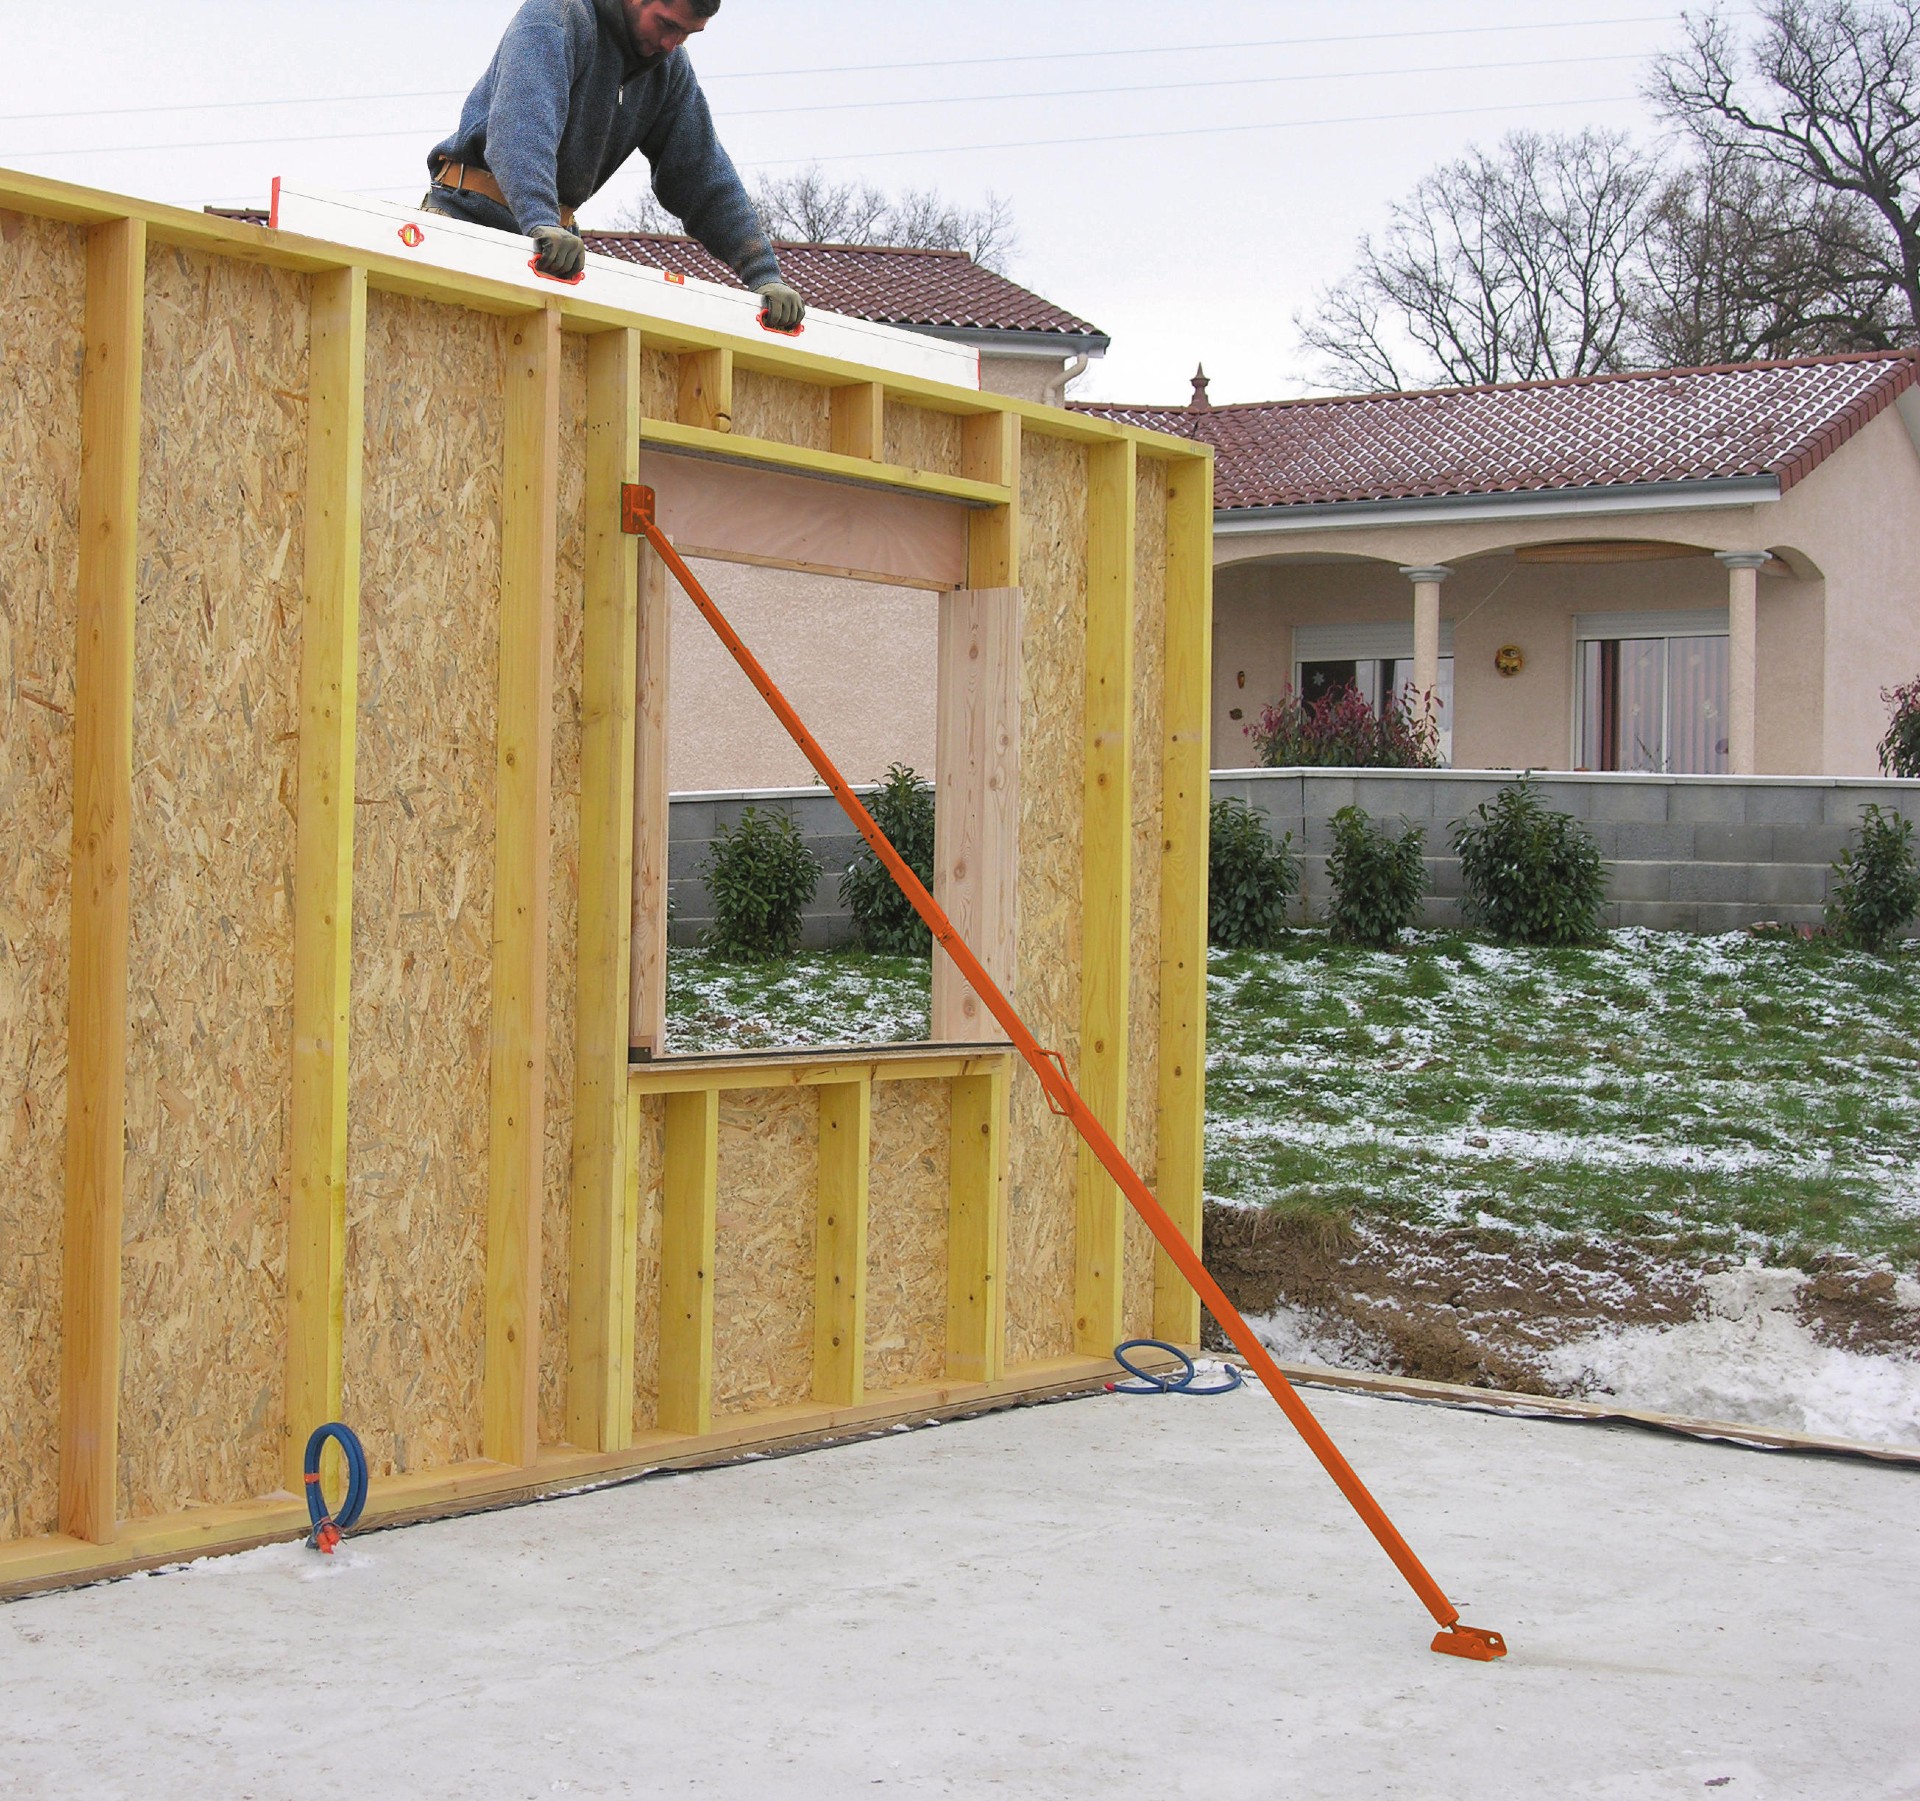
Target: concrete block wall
{"points": [[694, 820], [1683, 853]]}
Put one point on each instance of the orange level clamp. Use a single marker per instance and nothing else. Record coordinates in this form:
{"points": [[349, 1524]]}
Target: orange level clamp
{"points": [[637, 517]]}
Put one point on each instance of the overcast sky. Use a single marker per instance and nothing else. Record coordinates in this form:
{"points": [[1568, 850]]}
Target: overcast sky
{"points": [[1183, 172]]}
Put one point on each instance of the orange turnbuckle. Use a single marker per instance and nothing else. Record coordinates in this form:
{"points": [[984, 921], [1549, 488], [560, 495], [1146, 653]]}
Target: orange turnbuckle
{"points": [[638, 519]]}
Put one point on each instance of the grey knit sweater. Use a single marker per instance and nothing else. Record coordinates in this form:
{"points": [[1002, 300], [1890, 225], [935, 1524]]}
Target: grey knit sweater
{"points": [[565, 102]]}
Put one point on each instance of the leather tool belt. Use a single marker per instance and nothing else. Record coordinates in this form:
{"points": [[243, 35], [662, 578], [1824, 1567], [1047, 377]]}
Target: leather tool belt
{"points": [[467, 178]]}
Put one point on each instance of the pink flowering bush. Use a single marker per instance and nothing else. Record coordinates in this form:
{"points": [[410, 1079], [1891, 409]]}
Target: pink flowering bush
{"points": [[1342, 731]]}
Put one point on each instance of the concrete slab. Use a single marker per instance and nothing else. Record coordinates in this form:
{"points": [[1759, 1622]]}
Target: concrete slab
{"points": [[1114, 1599]]}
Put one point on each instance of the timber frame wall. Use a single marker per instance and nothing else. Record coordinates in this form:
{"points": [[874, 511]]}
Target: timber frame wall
{"points": [[331, 782]]}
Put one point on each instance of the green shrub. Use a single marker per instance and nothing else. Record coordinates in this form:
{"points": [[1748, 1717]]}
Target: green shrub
{"points": [[1900, 748], [1876, 889], [1250, 879], [1378, 880], [883, 918], [761, 876], [1532, 876]]}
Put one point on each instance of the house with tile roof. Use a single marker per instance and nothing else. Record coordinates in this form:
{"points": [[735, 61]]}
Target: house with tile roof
{"points": [[1686, 570]]}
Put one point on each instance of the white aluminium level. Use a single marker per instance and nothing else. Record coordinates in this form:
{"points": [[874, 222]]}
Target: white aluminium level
{"points": [[405, 232]]}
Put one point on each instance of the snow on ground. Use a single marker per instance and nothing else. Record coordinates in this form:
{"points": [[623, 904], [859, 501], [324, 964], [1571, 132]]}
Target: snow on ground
{"points": [[1749, 1360], [1114, 1600]]}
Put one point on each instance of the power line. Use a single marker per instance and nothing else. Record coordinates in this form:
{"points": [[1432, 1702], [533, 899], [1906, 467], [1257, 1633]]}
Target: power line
{"points": [[1178, 87], [331, 137], [968, 62], [1201, 131], [1351, 37], [227, 106]]}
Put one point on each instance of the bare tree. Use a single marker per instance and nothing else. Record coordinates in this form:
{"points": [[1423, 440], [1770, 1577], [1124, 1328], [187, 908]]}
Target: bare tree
{"points": [[1746, 260], [1508, 265], [1829, 95], [810, 208]]}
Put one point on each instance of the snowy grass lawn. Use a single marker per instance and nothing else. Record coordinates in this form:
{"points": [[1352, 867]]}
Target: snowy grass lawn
{"points": [[1740, 1094], [1745, 1095], [825, 997]]}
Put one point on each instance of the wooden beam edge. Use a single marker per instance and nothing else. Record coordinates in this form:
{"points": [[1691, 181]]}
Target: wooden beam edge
{"points": [[31, 1566]]}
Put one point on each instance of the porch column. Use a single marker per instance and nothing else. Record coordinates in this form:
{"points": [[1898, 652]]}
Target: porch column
{"points": [[1426, 634], [1743, 637]]}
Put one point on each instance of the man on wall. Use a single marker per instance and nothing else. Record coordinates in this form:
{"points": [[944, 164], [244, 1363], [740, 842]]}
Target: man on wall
{"points": [[576, 87]]}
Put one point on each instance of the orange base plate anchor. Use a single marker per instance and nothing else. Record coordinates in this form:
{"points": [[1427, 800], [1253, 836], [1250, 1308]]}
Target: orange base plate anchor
{"points": [[1472, 1642]]}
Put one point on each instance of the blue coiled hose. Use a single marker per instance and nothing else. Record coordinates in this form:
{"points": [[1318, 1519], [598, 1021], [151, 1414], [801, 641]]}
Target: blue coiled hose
{"points": [[328, 1526], [1147, 1382]]}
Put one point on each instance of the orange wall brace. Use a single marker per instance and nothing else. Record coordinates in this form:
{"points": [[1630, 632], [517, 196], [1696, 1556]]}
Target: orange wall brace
{"points": [[1455, 1639]]}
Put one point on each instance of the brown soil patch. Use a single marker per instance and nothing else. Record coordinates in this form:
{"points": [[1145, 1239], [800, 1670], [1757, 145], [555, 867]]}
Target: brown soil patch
{"points": [[1852, 1306], [1480, 1308]]}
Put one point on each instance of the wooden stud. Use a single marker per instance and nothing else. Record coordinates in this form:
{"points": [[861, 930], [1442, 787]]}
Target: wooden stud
{"points": [[706, 390], [976, 1227], [601, 1276], [647, 977], [840, 1245], [977, 808], [522, 881], [101, 895], [1106, 889], [323, 859], [1183, 885], [990, 452], [860, 421], [688, 1227]]}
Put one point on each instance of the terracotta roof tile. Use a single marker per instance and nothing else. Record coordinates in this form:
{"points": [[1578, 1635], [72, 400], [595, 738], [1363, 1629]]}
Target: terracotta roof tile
{"points": [[1671, 425], [944, 289]]}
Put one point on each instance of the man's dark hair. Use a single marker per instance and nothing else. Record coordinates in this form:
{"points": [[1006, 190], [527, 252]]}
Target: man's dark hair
{"points": [[704, 9]]}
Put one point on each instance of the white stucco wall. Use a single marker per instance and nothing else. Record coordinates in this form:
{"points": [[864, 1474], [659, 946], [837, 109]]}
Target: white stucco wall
{"points": [[857, 660]]}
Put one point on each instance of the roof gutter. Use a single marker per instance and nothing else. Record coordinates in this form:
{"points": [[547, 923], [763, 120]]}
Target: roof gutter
{"points": [[1055, 346], [1463, 509]]}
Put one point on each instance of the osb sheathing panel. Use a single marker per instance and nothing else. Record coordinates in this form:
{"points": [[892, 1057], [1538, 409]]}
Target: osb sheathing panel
{"points": [[423, 883], [1053, 697], [659, 384], [764, 1263], [1149, 714], [210, 982], [919, 439], [649, 1160], [788, 412], [907, 1233], [42, 306], [564, 894]]}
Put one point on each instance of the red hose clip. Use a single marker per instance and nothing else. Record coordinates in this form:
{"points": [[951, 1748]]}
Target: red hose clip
{"points": [[325, 1537]]}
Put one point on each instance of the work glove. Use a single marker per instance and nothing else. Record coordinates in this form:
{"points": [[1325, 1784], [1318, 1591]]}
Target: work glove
{"points": [[561, 254], [782, 307]]}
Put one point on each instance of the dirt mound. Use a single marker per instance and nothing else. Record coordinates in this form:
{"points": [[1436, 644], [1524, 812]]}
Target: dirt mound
{"points": [[1458, 1305], [1483, 1307]]}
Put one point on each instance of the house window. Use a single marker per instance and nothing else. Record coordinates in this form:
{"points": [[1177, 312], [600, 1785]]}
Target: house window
{"points": [[1377, 661], [1653, 693]]}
